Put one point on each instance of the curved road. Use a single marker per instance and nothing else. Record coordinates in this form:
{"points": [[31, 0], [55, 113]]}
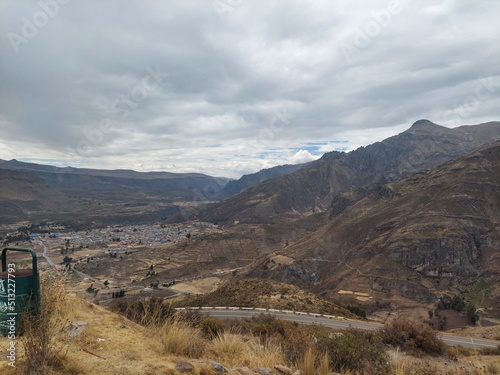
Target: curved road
{"points": [[44, 253], [336, 323]]}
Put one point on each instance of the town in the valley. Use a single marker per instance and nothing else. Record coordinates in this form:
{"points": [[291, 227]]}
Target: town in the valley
{"points": [[121, 260]]}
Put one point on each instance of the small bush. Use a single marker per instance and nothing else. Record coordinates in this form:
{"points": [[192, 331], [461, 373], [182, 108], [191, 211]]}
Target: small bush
{"points": [[491, 351], [471, 313], [149, 312], [192, 317], [355, 350], [357, 310], [412, 337], [292, 336], [451, 303], [211, 327]]}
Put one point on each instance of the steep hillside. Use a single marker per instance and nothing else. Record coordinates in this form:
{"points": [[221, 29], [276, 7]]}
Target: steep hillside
{"points": [[408, 241], [22, 193], [312, 189], [234, 187]]}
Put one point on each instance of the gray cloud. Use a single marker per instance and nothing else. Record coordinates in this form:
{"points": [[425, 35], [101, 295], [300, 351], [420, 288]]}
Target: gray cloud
{"points": [[156, 84]]}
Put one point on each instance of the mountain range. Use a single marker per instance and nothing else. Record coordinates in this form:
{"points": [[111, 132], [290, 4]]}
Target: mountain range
{"points": [[407, 241], [313, 187], [397, 223], [75, 195]]}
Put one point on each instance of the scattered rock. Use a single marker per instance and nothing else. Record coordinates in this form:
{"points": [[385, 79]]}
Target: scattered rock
{"points": [[218, 367], [182, 366], [263, 370], [199, 363], [75, 329], [283, 370], [244, 371]]}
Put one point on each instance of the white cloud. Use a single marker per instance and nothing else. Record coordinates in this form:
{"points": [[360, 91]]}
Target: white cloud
{"points": [[302, 156], [238, 92]]}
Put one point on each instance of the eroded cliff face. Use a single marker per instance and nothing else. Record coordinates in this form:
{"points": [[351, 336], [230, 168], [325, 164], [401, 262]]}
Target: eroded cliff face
{"points": [[454, 230], [436, 231], [449, 257]]}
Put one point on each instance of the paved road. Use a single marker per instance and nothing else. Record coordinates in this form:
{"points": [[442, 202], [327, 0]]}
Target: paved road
{"points": [[467, 342], [45, 255]]}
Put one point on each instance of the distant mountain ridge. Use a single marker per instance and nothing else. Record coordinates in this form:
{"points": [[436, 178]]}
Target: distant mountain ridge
{"points": [[84, 178], [247, 180], [312, 188], [41, 192]]}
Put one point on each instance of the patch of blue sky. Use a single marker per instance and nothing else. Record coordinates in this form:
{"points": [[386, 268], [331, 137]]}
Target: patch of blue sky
{"points": [[327, 142], [341, 149], [311, 149]]}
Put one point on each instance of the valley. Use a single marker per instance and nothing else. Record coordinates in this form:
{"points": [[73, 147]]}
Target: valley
{"points": [[407, 228]]}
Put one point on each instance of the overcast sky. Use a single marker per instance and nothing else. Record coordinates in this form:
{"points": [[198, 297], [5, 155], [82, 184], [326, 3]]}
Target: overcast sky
{"points": [[228, 87]]}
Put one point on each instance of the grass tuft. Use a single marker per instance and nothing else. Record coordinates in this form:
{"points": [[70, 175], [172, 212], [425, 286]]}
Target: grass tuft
{"points": [[43, 339], [307, 364], [179, 338]]}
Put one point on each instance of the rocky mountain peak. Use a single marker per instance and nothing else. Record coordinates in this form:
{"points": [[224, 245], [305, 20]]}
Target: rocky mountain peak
{"points": [[427, 127], [422, 122]]}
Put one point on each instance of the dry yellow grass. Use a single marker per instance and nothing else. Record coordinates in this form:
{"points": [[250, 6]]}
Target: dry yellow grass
{"points": [[236, 350], [307, 365], [475, 365], [324, 366], [179, 338], [112, 344]]}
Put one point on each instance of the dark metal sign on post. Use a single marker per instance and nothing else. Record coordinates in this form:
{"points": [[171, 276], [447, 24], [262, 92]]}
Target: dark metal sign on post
{"points": [[19, 292]]}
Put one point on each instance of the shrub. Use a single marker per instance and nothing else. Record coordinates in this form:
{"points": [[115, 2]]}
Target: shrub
{"points": [[357, 310], [295, 338], [355, 350], [192, 317], [292, 336], [149, 312], [211, 327], [412, 337], [451, 303], [266, 325], [491, 351], [471, 313]]}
